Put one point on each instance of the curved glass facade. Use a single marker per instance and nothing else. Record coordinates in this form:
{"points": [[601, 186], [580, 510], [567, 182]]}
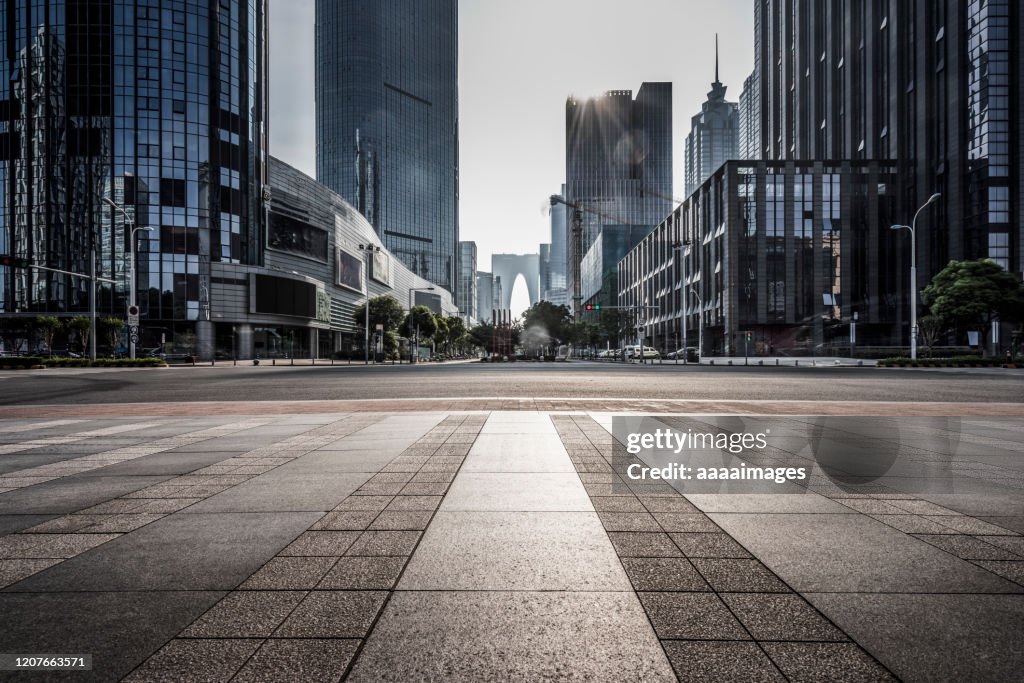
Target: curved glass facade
{"points": [[387, 123], [157, 105]]}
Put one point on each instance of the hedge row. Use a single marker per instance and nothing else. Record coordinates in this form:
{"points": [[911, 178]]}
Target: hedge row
{"points": [[24, 362], [955, 362]]}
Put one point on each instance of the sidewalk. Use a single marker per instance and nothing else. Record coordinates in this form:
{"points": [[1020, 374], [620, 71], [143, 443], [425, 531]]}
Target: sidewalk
{"points": [[473, 545]]}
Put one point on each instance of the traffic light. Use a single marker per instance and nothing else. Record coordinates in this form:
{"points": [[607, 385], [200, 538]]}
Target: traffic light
{"points": [[750, 336], [592, 307], [14, 261]]}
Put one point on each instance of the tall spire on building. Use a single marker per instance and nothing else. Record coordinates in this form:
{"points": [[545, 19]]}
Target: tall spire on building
{"points": [[717, 93], [716, 59]]}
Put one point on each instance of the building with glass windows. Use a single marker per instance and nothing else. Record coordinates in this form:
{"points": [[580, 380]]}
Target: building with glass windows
{"points": [[714, 135], [750, 120], [932, 85], [387, 123], [467, 294], [618, 164], [159, 108], [157, 105], [787, 252]]}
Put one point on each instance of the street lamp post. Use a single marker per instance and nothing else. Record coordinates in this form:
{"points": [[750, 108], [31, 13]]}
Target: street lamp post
{"points": [[131, 260], [913, 271], [368, 249], [680, 248], [700, 320], [416, 336]]}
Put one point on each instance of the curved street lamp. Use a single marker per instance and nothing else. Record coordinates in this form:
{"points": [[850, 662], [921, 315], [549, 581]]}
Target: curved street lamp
{"points": [[913, 270]]}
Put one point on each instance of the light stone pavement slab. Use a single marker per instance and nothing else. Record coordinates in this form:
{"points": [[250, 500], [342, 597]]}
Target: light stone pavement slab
{"points": [[514, 579]]}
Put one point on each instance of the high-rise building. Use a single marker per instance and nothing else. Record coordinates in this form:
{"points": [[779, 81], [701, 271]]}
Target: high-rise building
{"points": [[618, 164], [387, 123], [714, 135], [930, 85], [558, 264], [467, 293], [484, 296], [158, 106], [750, 119]]}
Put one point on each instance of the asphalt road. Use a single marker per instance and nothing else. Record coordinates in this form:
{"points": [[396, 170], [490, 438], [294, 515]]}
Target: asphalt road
{"points": [[461, 380]]}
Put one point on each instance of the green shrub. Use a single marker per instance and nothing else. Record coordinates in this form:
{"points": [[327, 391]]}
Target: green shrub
{"points": [[19, 362]]}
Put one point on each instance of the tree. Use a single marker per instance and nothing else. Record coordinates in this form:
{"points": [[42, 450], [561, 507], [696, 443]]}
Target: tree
{"points": [[456, 333], [931, 328], [972, 294], [483, 336], [584, 334], [391, 345], [614, 324], [49, 326], [441, 333], [384, 310], [545, 317], [81, 326], [112, 327], [421, 318]]}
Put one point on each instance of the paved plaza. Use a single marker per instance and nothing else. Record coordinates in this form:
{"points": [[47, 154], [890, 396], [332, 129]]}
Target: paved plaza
{"points": [[486, 544]]}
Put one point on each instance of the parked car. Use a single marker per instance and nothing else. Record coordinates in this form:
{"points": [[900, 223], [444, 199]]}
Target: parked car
{"points": [[649, 353], [689, 354]]}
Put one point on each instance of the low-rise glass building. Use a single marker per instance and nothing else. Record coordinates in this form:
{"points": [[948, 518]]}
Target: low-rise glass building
{"points": [[775, 258]]}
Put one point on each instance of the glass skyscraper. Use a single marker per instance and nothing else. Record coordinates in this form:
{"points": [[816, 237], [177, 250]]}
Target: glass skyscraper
{"points": [[157, 105], [387, 123], [618, 164]]}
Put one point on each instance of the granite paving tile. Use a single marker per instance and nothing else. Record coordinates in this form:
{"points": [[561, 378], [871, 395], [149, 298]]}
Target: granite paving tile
{"points": [[634, 544], [784, 617], [306, 660], [663, 574], [321, 544], [714, 545], [289, 573], [739, 575], [379, 543], [245, 614], [195, 660], [691, 616], [512, 636], [716, 661], [333, 614], [814, 662], [363, 573]]}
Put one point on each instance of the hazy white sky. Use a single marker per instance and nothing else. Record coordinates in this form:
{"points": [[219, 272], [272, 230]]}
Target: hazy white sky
{"points": [[518, 61]]}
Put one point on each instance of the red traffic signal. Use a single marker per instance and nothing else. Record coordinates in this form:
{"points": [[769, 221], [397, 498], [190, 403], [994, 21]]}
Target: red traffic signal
{"points": [[14, 261], [592, 307]]}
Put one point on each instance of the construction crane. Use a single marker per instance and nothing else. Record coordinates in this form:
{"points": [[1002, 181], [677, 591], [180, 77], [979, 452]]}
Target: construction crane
{"points": [[578, 208]]}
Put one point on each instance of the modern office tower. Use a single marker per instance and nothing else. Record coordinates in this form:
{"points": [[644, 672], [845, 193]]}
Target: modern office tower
{"points": [[157, 105], [559, 236], [387, 123], [484, 296], [714, 135], [467, 294], [618, 164], [750, 119], [932, 85]]}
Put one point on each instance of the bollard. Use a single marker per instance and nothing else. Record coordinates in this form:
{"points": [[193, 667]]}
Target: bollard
{"points": [[273, 361], [796, 364], [776, 362]]}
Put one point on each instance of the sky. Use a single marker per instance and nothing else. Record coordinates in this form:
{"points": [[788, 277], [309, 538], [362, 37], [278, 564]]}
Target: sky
{"points": [[518, 61]]}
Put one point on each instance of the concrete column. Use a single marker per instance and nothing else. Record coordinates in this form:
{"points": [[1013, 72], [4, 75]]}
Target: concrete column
{"points": [[314, 343], [244, 342], [204, 339]]}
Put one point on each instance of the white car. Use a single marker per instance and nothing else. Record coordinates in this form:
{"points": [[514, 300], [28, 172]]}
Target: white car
{"points": [[649, 353]]}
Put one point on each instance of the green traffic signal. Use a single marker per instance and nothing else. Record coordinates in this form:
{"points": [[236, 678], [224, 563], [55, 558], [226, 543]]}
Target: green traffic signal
{"points": [[14, 261]]}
